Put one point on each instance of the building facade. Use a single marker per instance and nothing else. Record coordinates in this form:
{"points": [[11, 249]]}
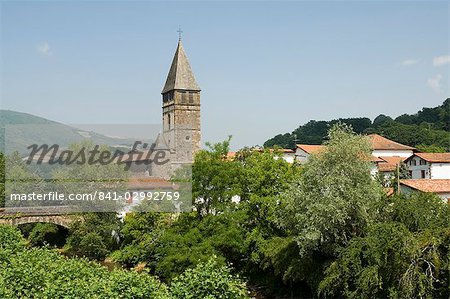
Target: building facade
{"points": [[429, 165]]}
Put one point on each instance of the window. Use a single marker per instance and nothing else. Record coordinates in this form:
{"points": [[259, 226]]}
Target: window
{"points": [[191, 98], [423, 162], [413, 162], [183, 97], [168, 118], [423, 173], [168, 96]]}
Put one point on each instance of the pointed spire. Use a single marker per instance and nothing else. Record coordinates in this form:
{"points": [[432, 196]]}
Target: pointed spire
{"points": [[180, 74]]}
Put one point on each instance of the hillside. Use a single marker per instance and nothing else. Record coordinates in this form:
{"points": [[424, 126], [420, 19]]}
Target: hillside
{"points": [[428, 129], [22, 129]]}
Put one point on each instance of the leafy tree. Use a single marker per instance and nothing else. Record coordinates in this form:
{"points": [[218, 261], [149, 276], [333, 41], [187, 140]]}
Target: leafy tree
{"points": [[46, 234], [406, 256], [391, 262], [421, 211], [381, 119], [190, 241], [282, 140], [93, 235], [215, 180], [431, 148], [335, 198], [209, 280], [264, 173], [139, 234]]}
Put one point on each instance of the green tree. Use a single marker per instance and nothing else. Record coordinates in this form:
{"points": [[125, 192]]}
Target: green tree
{"points": [[215, 180], [94, 235], [391, 262], [46, 234], [335, 199], [209, 280]]}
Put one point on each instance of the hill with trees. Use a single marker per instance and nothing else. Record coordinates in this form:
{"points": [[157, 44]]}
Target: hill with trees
{"points": [[428, 129]]}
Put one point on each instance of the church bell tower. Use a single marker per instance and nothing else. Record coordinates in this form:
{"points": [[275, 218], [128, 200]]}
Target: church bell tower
{"points": [[181, 110]]}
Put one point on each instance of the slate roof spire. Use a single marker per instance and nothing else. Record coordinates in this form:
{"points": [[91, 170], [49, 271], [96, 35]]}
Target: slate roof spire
{"points": [[180, 74]]}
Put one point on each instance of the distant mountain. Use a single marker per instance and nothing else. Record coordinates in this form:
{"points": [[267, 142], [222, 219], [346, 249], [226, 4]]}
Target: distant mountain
{"points": [[22, 129], [428, 129]]}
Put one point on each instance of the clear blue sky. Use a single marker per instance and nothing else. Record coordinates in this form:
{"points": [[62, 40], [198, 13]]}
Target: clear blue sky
{"points": [[264, 67]]}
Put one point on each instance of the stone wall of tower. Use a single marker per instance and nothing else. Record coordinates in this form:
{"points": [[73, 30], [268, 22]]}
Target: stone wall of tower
{"points": [[181, 124]]}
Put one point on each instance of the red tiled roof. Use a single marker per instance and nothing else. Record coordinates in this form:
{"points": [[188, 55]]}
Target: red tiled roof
{"points": [[428, 185], [435, 157], [380, 143], [376, 159], [389, 163], [394, 159], [311, 148], [386, 167]]}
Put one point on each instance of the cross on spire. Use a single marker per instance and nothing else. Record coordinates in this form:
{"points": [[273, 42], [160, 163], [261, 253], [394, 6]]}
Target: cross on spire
{"points": [[179, 32]]}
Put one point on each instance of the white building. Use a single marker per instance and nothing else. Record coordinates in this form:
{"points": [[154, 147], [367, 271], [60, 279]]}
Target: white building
{"points": [[439, 187], [429, 165], [383, 147], [288, 155], [303, 151]]}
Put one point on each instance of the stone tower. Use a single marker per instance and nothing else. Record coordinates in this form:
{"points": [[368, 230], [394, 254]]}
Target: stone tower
{"points": [[181, 110]]}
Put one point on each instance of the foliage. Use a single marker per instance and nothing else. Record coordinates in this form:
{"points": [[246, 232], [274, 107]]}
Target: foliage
{"points": [[264, 173], [391, 262], [430, 148], [215, 180], [10, 238], [45, 234], [92, 236], [406, 256], [335, 199], [315, 132], [208, 280], [428, 128], [139, 233], [420, 211], [43, 273]]}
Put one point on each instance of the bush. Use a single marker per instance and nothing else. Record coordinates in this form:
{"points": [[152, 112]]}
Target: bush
{"points": [[11, 238], [209, 281], [46, 234], [44, 273]]}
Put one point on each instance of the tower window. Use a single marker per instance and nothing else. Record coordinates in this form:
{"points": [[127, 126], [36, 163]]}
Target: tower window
{"points": [[183, 97], [168, 96], [191, 98], [168, 118]]}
